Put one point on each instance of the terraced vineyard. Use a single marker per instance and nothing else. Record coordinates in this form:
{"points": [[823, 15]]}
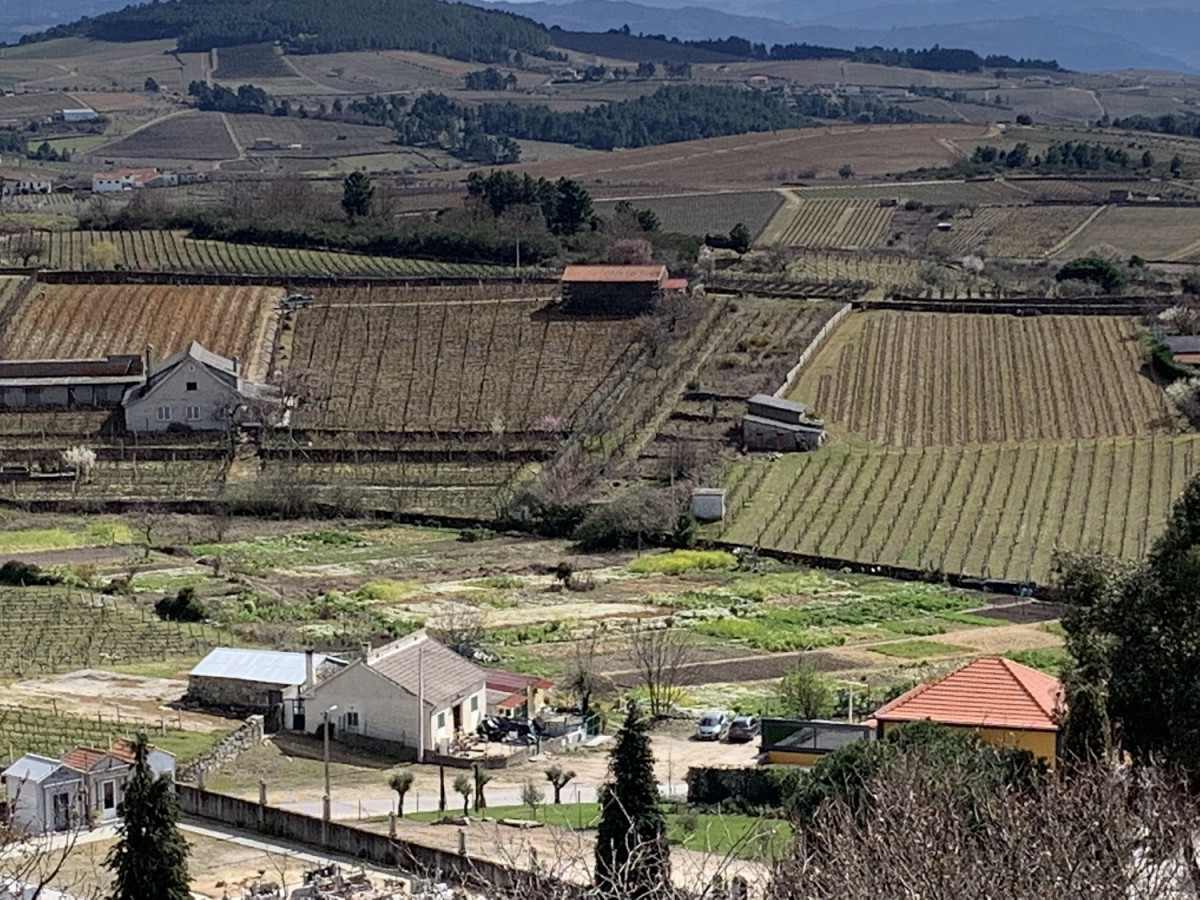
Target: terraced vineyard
{"points": [[52, 734], [58, 630], [972, 443], [993, 510], [377, 360], [929, 379], [1022, 232], [173, 251], [827, 222], [60, 320]]}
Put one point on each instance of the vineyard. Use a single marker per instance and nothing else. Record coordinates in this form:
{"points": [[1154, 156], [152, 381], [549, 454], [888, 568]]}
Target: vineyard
{"points": [[62, 629], [827, 222], [497, 365], [52, 734], [996, 511], [1167, 233], [706, 213], [132, 478], [927, 379], [57, 321], [1022, 232], [173, 251]]}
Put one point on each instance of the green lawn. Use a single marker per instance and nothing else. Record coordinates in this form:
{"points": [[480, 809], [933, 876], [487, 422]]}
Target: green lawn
{"points": [[919, 649], [747, 837], [96, 533]]}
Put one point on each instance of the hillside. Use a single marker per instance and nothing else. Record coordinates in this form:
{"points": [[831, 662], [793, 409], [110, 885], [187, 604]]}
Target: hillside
{"points": [[453, 30]]}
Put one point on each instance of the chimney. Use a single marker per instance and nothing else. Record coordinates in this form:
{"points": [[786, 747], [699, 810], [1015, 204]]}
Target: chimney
{"points": [[237, 365], [149, 356], [309, 673], [366, 652]]}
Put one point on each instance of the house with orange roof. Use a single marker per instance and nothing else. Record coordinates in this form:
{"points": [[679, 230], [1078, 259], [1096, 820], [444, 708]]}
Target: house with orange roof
{"points": [[1005, 703], [513, 695], [612, 290]]}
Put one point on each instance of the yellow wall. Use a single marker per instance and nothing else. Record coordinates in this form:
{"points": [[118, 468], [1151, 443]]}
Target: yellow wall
{"points": [[1041, 744], [792, 758]]}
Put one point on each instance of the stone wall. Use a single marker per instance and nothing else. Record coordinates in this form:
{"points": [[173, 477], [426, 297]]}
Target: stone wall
{"points": [[248, 734], [228, 693]]}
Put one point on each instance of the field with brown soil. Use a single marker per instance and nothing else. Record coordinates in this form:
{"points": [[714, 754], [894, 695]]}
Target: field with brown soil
{"points": [[377, 360], [80, 64], [917, 379], [95, 320], [1022, 232], [316, 138], [1166, 234], [190, 135], [827, 222], [705, 213], [752, 159]]}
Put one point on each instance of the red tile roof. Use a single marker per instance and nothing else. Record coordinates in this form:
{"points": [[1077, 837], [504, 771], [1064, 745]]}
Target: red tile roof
{"points": [[674, 284], [624, 274], [513, 682], [83, 758], [991, 692]]}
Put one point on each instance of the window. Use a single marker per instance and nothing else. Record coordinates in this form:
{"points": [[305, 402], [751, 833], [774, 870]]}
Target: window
{"points": [[475, 703], [193, 413], [191, 386], [441, 720], [163, 414], [352, 721]]}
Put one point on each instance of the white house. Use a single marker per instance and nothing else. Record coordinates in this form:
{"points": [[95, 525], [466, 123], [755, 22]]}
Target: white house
{"points": [[198, 390], [411, 692], [78, 114], [24, 182], [44, 795], [123, 180], [263, 681]]}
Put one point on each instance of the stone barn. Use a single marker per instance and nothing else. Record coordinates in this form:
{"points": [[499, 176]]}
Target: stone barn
{"points": [[612, 290], [772, 423], [259, 681]]}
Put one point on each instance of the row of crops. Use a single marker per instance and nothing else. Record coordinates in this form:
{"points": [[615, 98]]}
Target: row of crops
{"points": [[61, 629], [828, 222], [173, 251], [994, 511]]}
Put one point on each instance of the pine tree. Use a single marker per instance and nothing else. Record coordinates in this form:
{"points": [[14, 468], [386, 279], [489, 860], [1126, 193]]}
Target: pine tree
{"points": [[357, 191], [632, 856], [150, 856]]}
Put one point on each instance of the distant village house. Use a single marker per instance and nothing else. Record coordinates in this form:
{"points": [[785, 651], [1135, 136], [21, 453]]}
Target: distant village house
{"points": [[18, 182], [131, 179], [614, 290]]}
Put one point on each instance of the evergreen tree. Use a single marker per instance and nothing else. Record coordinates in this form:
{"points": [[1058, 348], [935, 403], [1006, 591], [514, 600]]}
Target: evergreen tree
{"points": [[632, 856], [149, 859], [740, 237], [357, 191]]}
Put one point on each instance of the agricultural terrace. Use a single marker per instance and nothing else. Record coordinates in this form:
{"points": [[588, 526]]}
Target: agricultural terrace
{"points": [[62, 320], [1167, 234], [827, 222], [385, 360], [1022, 232], [931, 379], [972, 443], [173, 251], [990, 510]]}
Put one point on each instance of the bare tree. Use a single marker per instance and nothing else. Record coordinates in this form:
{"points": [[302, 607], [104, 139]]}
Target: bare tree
{"points": [[27, 246], [459, 629], [658, 656], [30, 866], [582, 677]]}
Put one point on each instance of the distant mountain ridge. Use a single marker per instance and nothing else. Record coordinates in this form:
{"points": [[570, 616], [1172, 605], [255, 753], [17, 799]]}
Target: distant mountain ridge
{"points": [[1079, 36]]}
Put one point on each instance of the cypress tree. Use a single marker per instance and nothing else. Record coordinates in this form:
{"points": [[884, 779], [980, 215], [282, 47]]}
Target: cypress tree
{"points": [[632, 856], [149, 859]]}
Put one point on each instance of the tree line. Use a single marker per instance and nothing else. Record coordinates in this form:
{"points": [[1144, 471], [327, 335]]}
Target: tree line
{"points": [[1061, 157], [1187, 125], [454, 30]]}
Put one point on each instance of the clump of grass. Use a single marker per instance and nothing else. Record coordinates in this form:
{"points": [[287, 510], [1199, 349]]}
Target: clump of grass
{"points": [[679, 561], [499, 582], [1047, 659], [766, 633], [383, 590], [918, 649]]}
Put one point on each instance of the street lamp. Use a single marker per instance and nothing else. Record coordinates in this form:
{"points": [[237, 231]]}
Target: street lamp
{"points": [[325, 799]]}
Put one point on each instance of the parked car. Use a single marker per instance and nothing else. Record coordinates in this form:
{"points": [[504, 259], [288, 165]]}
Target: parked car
{"points": [[712, 726], [744, 728]]}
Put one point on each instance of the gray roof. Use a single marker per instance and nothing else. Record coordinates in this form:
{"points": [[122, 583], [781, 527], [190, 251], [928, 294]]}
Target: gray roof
{"points": [[1182, 343], [418, 657], [807, 426], [198, 352], [265, 666], [32, 767], [777, 403]]}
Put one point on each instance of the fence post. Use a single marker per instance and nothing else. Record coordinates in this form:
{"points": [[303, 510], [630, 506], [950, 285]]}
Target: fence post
{"points": [[392, 825], [262, 803]]}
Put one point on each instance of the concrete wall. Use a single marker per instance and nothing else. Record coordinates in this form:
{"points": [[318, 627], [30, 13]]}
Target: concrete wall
{"points": [[365, 845], [212, 396]]}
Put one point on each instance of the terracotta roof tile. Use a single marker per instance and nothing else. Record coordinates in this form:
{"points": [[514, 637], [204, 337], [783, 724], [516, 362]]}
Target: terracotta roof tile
{"points": [[991, 692], [627, 274], [504, 680], [83, 758]]}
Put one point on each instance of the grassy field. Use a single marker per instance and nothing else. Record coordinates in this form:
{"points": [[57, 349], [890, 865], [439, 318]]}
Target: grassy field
{"points": [[1024, 232], [706, 213], [975, 444]]}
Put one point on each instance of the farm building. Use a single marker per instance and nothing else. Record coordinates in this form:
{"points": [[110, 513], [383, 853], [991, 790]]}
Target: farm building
{"points": [[513, 695], [23, 182], [772, 423], [412, 693], [612, 290], [1004, 702], [69, 383], [708, 504], [261, 681], [197, 390], [797, 742], [78, 114], [57, 794], [125, 180], [1185, 348]]}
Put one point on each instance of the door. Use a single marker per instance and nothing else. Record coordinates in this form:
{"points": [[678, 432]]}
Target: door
{"points": [[457, 713], [61, 804], [108, 805]]}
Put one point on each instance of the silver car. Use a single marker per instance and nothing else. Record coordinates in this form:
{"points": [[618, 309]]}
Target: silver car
{"points": [[712, 726]]}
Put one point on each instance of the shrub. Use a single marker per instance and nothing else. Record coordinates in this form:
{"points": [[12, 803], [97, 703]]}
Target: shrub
{"points": [[183, 607], [1094, 269], [627, 520], [21, 574], [679, 561]]}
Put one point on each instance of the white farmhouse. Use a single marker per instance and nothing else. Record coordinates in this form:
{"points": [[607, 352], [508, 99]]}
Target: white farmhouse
{"points": [[123, 180], [410, 693], [197, 390], [25, 182]]}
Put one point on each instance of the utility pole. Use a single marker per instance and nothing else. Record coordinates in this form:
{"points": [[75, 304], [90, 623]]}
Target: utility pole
{"points": [[421, 703], [325, 800]]}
